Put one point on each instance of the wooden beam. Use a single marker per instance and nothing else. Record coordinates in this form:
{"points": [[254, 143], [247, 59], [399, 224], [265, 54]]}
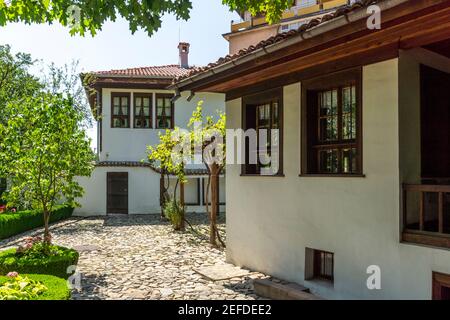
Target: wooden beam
{"points": [[441, 212], [422, 211], [377, 55]]}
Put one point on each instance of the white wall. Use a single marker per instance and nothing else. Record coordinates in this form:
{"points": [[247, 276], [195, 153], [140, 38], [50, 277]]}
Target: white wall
{"points": [[131, 145], [271, 220], [143, 191], [128, 144]]}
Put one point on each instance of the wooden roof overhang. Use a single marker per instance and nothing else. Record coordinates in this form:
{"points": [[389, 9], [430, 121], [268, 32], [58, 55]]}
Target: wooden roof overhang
{"points": [[94, 89], [338, 44]]}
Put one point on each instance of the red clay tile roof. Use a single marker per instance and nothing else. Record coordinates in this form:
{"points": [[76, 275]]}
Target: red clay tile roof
{"points": [[280, 37], [169, 71]]}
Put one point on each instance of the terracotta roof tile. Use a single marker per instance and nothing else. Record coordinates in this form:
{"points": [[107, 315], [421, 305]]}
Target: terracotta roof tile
{"points": [[279, 37], [169, 71]]}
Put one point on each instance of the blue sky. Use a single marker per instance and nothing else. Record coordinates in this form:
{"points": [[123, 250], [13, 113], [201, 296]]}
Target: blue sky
{"points": [[115, 46]]}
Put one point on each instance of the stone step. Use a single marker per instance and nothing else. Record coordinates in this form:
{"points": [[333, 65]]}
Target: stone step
{"points": [[277, 291]]}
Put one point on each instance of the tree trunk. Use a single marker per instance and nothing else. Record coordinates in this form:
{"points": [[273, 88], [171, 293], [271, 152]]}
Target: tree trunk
{"points": [[214, 200], [47, 236], [162, 191], [182, 225]]}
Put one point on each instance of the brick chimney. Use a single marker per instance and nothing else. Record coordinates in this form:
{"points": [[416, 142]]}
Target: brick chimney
{"points": [[183, 49]]}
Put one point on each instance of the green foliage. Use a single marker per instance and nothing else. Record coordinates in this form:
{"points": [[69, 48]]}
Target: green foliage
{"points": [[55, 262], [272, 9], [90, 16], [15, 223], [174, 212], [21, 288], [15, 80], [57, 288], [42, 151], [170, 160], [66, 81], [211, 137]]}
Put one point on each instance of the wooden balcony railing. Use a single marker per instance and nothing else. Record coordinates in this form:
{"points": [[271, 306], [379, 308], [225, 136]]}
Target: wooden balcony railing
{"points": [[426, 214]]}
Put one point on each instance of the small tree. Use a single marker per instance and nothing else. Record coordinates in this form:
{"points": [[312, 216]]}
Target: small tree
{"points": [[172, 163], [208, 136], [42, 151]]}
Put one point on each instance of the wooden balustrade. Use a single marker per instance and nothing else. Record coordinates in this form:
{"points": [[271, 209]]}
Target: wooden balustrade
{"points": [[411, 234]]}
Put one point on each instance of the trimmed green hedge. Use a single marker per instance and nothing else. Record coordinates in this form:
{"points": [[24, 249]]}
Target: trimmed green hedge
{"points": [[55, 265], [57, 287], [15, 223]]}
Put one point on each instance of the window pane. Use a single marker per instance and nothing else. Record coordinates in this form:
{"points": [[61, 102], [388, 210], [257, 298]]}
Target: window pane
{"points": [[124, 101], [349, 164], [137, 123], [328, 103], [328, 161], [275, 114], [348, 126], [116, 101], [348, 113], [329, 128], [125, 110], [146, 111], [168, 111], [168, 102], [138, 102], [160, 102], [146, 102], [116, 110], [147, 123], [125, 123], [159, 111], [116, 123]]}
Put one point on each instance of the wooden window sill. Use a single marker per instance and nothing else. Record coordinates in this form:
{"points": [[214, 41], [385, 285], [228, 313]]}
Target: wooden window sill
{"points": [[280, 175], [427, 239], [326, 175]]}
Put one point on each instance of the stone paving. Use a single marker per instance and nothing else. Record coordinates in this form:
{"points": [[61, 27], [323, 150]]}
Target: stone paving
{"points": [[141, 257]]}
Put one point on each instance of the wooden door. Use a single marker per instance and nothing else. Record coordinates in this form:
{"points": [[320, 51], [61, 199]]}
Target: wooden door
{"points": [[441, 286], [117, 192]]}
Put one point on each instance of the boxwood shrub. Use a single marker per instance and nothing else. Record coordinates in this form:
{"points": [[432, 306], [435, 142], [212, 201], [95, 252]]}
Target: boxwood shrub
{"points": [[57, 287], [55, 265], [15, 223]]}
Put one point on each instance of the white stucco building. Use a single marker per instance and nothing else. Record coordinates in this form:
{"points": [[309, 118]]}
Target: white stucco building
{"points": [[132, 106], [364, 180]]}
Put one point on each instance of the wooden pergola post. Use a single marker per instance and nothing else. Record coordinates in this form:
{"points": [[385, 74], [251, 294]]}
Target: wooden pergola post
{"points": [[182, 224]]}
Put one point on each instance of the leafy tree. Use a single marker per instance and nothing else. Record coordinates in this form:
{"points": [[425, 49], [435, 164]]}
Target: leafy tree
{"points": [[66, 80], [208, 135], [171, 163], [42, 151], [89, 16], [15, 79]]}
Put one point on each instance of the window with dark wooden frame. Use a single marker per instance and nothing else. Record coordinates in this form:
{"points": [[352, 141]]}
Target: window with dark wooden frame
{"points": [[323, 265], [143, 110], [164, 111], [263, 112], [331, 119], [120, 110]]}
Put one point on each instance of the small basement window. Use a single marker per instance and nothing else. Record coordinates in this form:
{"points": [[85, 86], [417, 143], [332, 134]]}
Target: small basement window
{"points": [[319, 265]]}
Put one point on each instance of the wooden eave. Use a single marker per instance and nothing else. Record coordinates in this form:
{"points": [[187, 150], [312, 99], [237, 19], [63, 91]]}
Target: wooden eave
{"points": [[132, 82], [407, 25]]}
